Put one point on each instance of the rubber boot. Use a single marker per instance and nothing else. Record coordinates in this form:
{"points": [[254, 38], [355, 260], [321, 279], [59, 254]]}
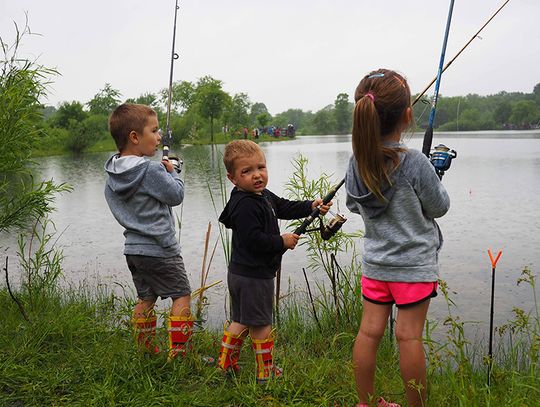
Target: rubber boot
{"points": [[180, 330], [145, 333], [231, 345], [263, 349]]}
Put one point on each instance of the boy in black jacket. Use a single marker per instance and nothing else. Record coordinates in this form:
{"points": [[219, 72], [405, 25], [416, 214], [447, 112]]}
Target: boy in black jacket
{"points": [[257, 246]]}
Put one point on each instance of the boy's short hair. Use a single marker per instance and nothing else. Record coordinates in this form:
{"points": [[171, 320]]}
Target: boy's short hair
{"points": [[239, 148], [126, 118]]}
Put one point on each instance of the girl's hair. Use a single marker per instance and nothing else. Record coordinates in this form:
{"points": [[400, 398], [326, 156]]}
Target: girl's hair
{"points": [[381, 100], [126, 118], [239, 148]]}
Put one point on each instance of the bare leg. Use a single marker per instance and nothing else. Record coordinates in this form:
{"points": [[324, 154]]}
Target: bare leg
{"points": [[260, 332], [180, 306], [409, 329], [237, 328], [374, 318], [143, 309]]}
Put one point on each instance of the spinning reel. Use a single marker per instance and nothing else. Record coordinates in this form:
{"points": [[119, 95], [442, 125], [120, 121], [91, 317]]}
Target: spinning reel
{"points": [[177, 163], [329, 230], [441, 158]]}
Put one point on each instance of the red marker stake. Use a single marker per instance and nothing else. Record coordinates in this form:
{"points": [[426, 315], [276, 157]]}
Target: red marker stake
{"points": [[493, 266]]}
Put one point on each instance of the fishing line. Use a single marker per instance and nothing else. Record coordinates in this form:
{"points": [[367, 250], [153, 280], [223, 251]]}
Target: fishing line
{"points": [[476, 35]]}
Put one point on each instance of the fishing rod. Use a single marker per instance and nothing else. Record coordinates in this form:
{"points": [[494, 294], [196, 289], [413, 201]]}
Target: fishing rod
{"points": [[167, 139], [442, 156], [459, 53], [428, 136]]}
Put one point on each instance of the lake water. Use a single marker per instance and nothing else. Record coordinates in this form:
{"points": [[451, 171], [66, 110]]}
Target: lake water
{"points": [[495, 200]]}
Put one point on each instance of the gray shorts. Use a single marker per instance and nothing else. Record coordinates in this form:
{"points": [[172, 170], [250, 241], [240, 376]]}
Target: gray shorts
{"points": [[157, 276], [251, 299]]}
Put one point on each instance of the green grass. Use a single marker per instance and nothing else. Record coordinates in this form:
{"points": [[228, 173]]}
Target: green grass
{"points": [[78, 349]]}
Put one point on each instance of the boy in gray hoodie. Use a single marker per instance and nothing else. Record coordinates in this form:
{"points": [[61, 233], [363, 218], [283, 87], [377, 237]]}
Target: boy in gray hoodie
{"points": [[141, 194]]}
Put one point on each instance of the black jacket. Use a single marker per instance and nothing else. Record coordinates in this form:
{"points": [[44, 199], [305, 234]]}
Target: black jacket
{"points": [[257, 245]]}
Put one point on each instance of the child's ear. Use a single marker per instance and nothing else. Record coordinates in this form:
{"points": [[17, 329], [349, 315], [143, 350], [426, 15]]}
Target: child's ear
{"points": [[231, 178], [133, 137]]}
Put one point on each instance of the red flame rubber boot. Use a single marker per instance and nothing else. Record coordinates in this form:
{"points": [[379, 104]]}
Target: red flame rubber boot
{"points": [[145, 333], [231, 345], [180, 331], [263, 349]]}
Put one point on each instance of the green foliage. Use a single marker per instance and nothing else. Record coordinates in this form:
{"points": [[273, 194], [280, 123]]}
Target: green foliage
{"points": [[22, 84], [324, 122], [211, 100], [473, 112], [323, 254], [263, 119], [296, 117], [525, 112], [196, 107], [148, 99], [343, 113], [256, 109], [68, 111], [237, 112], [83, 135], [104, 101], [183, 95]]}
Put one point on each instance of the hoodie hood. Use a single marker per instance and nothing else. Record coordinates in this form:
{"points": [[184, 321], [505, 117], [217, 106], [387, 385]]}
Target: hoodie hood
{"points": [[125, 174], [359, 194], [236, 197]]}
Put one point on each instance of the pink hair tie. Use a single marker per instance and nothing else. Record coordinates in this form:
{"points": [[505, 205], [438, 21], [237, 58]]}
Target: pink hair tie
{"points": [[371, 96]]}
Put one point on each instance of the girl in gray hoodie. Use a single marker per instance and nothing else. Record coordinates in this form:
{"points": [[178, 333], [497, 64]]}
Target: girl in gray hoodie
{"points": [[399, 195]]}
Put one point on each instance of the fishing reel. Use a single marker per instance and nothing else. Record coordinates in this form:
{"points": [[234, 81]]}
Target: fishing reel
{"points": [[329, 230], [177, 163], [441, 158], [173, 159]]}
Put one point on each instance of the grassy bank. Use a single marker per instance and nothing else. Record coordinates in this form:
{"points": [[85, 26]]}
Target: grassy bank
{"points": [[107, 144], [77, 349]]}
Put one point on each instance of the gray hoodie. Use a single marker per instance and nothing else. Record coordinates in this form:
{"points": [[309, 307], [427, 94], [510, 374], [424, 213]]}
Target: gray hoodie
{"points": [[402, 239], [140, 194]]}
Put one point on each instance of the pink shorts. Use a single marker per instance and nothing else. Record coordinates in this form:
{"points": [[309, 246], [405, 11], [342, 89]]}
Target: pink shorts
{"points": [[402, 294]]}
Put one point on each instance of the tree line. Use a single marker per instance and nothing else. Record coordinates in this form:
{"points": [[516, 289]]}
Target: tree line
{"points": [[202, 111]]}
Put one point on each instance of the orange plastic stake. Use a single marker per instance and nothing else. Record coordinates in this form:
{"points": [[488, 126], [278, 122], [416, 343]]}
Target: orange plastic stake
{"points": [[493, 266], [494, 262]]}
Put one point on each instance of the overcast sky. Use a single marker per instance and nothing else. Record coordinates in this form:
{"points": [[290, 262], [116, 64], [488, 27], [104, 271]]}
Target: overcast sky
{"points": [[284, 53]]}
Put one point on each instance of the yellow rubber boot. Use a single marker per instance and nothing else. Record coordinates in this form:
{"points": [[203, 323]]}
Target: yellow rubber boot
{"points": [[231, 345], [263, 349], [180, 330], [145, 333]]}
